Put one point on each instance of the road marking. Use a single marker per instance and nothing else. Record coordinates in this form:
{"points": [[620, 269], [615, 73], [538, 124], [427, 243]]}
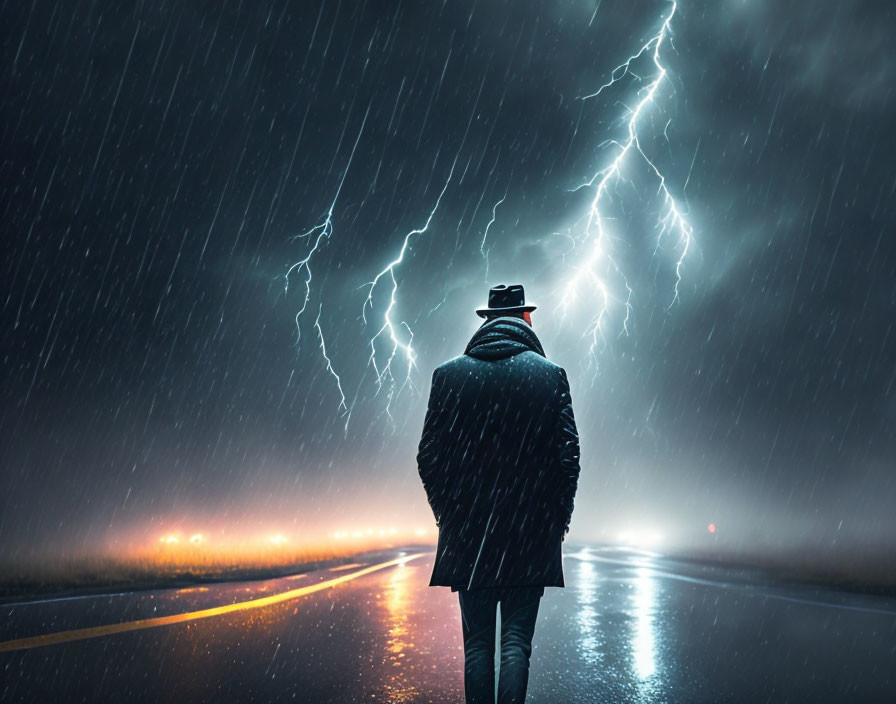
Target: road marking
{"points": [[112, 628], [342, 568]]}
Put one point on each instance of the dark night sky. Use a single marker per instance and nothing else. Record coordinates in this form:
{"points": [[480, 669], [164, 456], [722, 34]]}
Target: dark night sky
{"points": [[158, 161]]}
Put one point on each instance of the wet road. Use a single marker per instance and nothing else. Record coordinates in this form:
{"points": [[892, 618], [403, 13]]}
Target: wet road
{"points": [[628, 627]]}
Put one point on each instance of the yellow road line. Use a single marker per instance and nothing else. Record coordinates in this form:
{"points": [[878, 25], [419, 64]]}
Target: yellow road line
{"points": [[97, 631]]}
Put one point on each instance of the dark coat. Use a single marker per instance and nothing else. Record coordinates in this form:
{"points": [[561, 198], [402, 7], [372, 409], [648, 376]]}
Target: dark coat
{"points": [[499, 460]]}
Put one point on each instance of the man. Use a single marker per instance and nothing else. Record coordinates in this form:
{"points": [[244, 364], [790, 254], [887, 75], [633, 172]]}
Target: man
{"points": [[499, 460]]}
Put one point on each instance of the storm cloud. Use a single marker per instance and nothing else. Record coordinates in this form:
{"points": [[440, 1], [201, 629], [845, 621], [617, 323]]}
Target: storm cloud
{"points": [[160, 161]]}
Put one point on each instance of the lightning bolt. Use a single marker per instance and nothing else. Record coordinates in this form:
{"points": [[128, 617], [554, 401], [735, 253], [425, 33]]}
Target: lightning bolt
{"points": [[590, 268], [388, 327], [319, 234], [323, 351], [671, 218], [491, 222]]}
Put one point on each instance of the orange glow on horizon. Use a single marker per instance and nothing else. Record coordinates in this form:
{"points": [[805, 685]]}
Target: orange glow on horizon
{"points": [[203, 550]]}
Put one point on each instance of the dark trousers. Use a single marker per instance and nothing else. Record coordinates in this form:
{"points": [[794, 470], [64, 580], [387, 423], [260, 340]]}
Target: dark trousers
{"points": [[519, 608]]}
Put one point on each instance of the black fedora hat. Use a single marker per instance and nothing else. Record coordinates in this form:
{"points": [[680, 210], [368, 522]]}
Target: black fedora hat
{"points": [[505, 299]]}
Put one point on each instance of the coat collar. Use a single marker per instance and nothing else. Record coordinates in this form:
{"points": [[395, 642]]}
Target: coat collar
{"points": [[503, 337]]}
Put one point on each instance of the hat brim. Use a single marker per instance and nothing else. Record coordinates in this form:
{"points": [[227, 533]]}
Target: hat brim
{"points": [[482, 312]]}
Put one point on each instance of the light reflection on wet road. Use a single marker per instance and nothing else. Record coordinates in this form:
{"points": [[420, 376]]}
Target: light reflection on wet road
{"points": [[628, 627]]}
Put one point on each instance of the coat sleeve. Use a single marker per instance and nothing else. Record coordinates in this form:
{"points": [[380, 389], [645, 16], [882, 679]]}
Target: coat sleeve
{"points": [[430, 452], [568, 452]]}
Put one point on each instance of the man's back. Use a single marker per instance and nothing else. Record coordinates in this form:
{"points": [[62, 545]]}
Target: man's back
{"points": [[499, 461]]}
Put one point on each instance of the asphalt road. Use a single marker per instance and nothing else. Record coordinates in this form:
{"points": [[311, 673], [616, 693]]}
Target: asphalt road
{"points": [[628, 627]]}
